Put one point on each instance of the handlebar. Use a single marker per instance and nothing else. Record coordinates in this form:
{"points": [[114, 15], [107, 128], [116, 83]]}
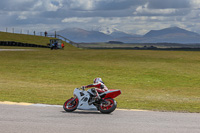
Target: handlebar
{"points": [[81, 88]]}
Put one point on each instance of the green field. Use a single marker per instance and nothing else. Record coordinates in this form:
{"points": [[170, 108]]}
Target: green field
{"points": [[150, 80]]}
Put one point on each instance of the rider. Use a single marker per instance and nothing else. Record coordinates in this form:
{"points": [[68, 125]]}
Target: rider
{"points": [[99, 85]]}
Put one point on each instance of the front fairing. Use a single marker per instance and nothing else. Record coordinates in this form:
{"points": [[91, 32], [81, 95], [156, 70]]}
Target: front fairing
{"points": [[83, 97]]}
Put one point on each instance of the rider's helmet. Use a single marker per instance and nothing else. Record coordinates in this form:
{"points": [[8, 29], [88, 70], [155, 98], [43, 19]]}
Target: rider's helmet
{"points": [[97, 80]]}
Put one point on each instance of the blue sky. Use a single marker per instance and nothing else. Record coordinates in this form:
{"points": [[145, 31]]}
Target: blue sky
{"points": [[131, 16]]}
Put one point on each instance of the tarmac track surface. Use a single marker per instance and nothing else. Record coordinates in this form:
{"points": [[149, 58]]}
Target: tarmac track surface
{"points": [[53, 119]]}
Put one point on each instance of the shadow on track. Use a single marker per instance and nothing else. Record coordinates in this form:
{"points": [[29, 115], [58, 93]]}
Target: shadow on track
{"points": [[85, 112]]}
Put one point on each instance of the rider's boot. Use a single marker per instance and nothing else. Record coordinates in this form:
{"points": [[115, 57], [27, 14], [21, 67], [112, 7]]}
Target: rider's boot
{"points": [[92, 101], [95, 98]]}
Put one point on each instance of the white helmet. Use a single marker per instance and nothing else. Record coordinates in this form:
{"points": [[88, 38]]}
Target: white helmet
{"points": [[97, 80]]}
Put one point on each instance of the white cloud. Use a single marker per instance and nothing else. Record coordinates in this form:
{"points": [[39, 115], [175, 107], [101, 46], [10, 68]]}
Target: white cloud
{"points": [[195, 4], [111, 20], [22, 17], [47, 5], [76, 20], [81, 4], [145, 10]]}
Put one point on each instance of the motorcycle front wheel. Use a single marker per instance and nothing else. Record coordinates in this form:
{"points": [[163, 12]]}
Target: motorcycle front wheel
{"points": [[107, 106], [70, 105]]}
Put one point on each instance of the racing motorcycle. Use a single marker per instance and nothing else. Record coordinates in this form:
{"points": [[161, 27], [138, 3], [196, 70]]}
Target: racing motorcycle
{"points": [[85, 100]]}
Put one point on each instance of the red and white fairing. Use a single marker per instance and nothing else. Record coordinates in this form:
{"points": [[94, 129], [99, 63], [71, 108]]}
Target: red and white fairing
{"points": [[84, 100]]}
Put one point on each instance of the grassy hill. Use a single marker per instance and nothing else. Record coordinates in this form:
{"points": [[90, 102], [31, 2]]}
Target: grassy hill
{"points": [[23, 38]]}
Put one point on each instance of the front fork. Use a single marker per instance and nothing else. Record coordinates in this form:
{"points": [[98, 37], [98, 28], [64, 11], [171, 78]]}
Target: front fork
{"points": [[74, 99]]}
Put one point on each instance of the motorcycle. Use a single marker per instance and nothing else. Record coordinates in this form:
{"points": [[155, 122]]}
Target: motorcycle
{"points": [[85, 100]]}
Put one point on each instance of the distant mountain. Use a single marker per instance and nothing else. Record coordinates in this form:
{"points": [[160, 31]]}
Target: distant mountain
{"points": [[105, 30], [168, 31], [172, 35], [81, 35], [120, 34], [115, 33], [167, 35]]}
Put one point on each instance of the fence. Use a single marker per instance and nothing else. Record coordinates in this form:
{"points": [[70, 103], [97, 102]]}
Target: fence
{"points": [[21, 31], [55, 35]]}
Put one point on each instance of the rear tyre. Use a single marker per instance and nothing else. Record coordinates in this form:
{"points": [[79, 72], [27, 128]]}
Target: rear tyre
{"points": [[70, 105], [107, 106]]}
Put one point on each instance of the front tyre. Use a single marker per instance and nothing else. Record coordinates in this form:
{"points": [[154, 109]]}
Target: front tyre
{"points": [[70, 105], [107, 106]]}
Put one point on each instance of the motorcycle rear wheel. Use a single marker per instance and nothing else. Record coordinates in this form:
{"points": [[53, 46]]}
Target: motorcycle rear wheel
{"points": [[70, 105], [107, 106]]}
